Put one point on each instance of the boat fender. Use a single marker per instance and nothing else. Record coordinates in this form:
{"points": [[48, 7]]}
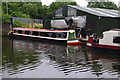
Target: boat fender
{"points": [[80, 39], [90, 40], [80, 35], [10, 32]]}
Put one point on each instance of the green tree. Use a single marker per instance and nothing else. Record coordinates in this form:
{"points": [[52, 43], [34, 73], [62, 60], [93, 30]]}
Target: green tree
{"points": [[31, 9], [45, 11], [12, 6], [5, 18], [105, 5], [56, 5], [40, 9], [20, 14]]}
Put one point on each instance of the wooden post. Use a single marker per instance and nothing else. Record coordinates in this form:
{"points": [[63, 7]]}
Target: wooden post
{"points": [[11, 23], [32, 23]]}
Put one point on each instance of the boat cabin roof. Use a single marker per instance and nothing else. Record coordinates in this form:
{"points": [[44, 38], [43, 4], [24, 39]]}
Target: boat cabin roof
{"points": [[113, 31], [43, 30]]}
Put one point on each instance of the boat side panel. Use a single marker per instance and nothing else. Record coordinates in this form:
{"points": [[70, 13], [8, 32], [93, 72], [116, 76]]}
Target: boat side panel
{"points": [[36, 39], [106, 46], [40, 36]]}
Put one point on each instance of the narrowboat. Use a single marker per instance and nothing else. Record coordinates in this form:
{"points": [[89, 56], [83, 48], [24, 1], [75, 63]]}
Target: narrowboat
{"points": [[60, 35], [110, 40]]}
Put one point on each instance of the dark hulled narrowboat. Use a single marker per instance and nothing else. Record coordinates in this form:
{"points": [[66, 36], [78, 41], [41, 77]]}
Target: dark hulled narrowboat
{"points": [[60, 35]]}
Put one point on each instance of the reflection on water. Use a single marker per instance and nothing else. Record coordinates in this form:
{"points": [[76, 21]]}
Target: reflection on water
{"points": [[40, 59]]}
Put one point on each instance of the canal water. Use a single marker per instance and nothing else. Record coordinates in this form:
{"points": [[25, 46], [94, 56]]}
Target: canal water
{"points": [[45, 59]]}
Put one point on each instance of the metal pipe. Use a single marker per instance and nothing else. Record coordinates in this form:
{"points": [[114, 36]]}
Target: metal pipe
{"points": [[7, 7]]}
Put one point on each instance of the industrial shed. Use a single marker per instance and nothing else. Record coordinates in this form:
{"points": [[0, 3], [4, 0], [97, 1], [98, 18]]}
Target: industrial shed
{"points": [[98, 20]]}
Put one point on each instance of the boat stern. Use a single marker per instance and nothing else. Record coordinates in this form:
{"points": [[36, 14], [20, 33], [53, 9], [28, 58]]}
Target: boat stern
{"points": [[10, 32], [90, 41], [73, 42]]}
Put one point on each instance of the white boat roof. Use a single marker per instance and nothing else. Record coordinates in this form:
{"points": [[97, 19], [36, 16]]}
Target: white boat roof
{"points": [[113, 31], [44, 30]]}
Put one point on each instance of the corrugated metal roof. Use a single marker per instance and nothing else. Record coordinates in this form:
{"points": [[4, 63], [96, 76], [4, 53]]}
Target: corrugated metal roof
{"points": [[98, 11]]}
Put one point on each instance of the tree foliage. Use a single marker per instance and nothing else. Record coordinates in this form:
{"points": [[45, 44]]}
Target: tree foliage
{"points": [[105, 5], [5, 18], [21, 9], [56, 5], [36, 10], [30, 9]]}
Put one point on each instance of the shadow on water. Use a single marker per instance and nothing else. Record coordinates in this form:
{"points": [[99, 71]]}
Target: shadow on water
{"points": [[19, 56], [110, 61]]}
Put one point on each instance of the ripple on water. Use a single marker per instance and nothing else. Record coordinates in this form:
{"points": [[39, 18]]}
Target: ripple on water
{"points": [[30, 56]]}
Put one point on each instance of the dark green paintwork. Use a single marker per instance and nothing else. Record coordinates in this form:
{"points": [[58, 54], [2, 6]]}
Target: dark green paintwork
{"points": [[71, 36]]}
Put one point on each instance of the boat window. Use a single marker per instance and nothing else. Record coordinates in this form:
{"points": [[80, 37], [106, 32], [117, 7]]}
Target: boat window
{"points": [[30, 33], [35, 33], [20, 31], [72, 11], [45, 34], [23, 32], [14, 31], [27, 32], [54, 34], [116, 39]]}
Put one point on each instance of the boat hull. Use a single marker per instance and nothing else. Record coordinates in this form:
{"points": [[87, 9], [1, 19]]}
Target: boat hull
{"points": [[67, 36], [37, 39], [68, 42], [73, 42], [104, 47]]}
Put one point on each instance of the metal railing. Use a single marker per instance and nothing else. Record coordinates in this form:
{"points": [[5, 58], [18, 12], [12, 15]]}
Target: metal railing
{"points": [[26, 22]]}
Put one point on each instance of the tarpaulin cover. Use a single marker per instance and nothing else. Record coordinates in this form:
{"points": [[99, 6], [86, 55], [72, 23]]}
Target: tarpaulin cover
{"points": [[81, 22], [59, 24]]}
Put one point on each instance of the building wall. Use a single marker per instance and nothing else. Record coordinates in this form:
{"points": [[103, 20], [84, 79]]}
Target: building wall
{"points": [[96, 24], [91, 22], [105, 23]]}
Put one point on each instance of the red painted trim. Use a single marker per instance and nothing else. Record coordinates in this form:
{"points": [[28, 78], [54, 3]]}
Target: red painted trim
{"points": [[10, 32], [115, 30], [106, 46], [74, 43], [40, 37], [39, 29]]}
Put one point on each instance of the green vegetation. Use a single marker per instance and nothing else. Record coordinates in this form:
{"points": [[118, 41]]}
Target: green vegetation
{"points": [[5, 18], [30, 25], [36, 10], [17, 24], [105, 5], [56, 5]]}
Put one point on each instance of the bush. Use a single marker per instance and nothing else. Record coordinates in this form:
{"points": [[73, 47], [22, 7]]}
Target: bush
{"points": [[17, 24], [5, 18], [38, 26], [20, 14]]}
